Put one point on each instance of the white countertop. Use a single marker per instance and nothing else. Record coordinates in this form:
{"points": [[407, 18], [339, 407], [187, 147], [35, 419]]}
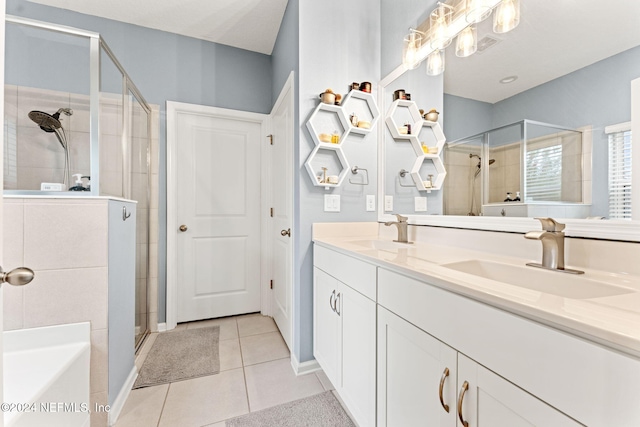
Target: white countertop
{"points": [[613, 321]]}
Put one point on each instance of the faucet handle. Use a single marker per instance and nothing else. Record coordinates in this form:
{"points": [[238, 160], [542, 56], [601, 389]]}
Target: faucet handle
{"points": [[550, 224], [401, 218]]}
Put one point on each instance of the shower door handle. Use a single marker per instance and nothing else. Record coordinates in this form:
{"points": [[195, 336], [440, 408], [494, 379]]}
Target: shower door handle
{"points": [[17, 277]]}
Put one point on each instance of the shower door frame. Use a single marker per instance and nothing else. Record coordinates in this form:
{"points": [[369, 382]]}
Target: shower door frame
{"points": [[96, 44]]}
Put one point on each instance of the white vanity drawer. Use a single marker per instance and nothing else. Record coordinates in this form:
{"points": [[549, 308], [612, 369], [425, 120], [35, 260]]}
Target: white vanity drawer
{"points": [[357, 274], [592, 384]]}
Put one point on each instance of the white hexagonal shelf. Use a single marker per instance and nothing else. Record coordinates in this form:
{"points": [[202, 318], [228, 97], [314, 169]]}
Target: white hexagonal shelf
{"points": [[364, 107], [440, 173], [327, 119], [431, 135], [401, 112], [330, 156]]}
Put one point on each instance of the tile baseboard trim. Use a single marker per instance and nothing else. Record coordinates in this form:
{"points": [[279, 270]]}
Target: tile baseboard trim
{"points": [[162, 327], [304, 367], [122, 396]]}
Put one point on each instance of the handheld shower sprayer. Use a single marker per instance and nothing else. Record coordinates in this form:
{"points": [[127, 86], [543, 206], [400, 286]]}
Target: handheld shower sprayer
{"points": [[51, 123]]}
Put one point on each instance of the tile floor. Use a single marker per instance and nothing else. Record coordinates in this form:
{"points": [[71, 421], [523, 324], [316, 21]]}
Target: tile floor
{"points": [[255, 373]]}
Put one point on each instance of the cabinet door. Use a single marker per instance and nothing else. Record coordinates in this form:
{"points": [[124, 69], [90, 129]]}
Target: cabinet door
{"points": [[326, 326], [358, 314], [490, 400], [411, 367]]}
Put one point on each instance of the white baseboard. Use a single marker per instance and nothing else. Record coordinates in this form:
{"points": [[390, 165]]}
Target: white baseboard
{"points": [[304, 367], [122, 396], [162, 327]]}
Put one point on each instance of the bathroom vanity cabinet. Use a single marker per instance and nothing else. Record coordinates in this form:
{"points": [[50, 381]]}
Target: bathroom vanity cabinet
{"points": [[345, 329], [437, 349]]}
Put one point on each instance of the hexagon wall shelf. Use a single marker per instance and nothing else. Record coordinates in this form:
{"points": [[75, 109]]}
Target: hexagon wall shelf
{"points": [[440, 174], [315, 170], [326, 119], [400, 112], [431, 133], [364, 107]]}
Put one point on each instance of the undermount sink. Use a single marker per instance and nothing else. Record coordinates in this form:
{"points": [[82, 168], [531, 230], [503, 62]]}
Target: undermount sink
{"points": [[550, 282]]}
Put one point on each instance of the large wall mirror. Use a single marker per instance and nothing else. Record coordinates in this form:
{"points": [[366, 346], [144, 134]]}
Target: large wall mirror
{"points": [[527, 118]]}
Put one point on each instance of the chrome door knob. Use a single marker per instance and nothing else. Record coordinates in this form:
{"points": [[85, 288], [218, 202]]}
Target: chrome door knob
{"points": [[17, 277], [183, 228], [286, 232]]}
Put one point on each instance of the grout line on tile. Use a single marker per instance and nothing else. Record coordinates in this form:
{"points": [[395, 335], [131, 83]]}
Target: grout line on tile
{"points": [[164, 402]]}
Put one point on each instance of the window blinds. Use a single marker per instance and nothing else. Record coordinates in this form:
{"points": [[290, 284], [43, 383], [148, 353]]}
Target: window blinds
{"points": [[619, 172], [544, 173]]}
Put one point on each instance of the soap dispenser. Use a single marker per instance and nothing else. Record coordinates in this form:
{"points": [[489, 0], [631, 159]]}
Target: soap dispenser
{"points": [[78, 187]]}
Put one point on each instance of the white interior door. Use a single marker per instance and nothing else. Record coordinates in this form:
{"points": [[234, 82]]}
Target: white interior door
{"points": [[218, 213], [281, 189]]}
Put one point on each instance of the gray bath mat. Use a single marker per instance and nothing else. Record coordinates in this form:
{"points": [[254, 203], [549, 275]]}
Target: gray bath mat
{"points": [[321, 410], [181, 355]]}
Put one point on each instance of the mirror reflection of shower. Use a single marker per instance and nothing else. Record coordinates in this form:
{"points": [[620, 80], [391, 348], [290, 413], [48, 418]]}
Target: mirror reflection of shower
{"points": [[51, 123], [474, 206]]}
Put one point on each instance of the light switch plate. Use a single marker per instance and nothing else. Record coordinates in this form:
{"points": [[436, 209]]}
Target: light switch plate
{"points": [[388, 203], [371, 203], [420, 204], [331, 203]]}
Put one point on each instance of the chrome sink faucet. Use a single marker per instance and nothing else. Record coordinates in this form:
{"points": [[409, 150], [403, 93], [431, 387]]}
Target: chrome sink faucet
{"points": [[552, 238], [401, 224]]}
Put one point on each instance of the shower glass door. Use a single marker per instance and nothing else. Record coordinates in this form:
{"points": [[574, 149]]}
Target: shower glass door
{"points": [[137, 158]]}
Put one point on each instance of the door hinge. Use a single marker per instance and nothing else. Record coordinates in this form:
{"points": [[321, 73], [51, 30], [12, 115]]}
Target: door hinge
{"points": [[271, 212], [270, 139], [270, 284]]}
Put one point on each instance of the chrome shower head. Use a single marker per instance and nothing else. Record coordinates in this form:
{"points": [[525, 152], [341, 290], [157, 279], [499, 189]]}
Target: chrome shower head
{"points": [[46, 121]]}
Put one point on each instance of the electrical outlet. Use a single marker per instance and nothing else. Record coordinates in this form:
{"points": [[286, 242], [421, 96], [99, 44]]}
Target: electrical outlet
{"points": [[420, 204], [388, 203], [371, 203], [331, 203]]}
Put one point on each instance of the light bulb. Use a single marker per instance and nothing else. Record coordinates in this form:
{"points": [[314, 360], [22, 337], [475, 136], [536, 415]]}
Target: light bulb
{"points": [[477, 10], [435, 63], [412, 43], [440, 20], [507, 16], [467, 42]]}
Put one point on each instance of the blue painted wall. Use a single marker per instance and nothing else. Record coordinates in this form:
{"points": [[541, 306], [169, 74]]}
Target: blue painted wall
{"points": [[168, 67]]}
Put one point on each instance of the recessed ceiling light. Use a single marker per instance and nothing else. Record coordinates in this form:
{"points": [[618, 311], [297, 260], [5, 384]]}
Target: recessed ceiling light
{"points": [[509, 79]]}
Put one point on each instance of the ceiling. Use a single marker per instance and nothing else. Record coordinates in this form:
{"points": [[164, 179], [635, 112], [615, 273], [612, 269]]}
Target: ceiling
{"points": [[245, 24], [554, 38]]}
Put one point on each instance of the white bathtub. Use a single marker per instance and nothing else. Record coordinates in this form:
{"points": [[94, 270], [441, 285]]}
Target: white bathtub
{"points": [[46, 376]]}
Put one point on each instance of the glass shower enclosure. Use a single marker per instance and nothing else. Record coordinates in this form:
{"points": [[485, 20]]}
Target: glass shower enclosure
{"points": [[529, 164], [76, 125]]}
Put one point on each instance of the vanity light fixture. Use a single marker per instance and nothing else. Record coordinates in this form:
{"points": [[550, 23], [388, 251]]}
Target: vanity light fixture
{"points": [[412, 43], [467, 42], [507, 16], [435, 63], [440, 24], [447, 22], [477, 11]]}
